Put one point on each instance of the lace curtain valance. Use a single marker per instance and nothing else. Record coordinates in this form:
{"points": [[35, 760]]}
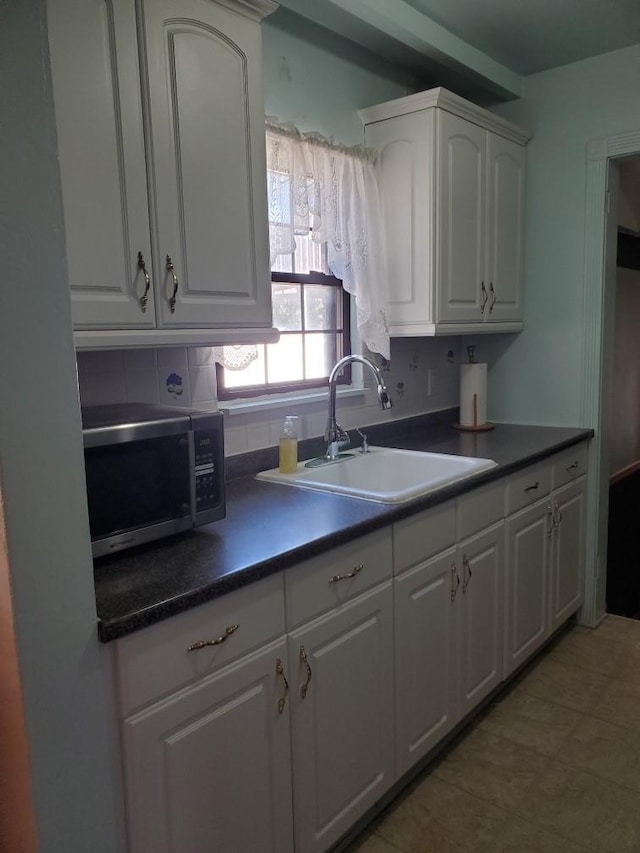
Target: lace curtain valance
{"points": [[317, 186]]}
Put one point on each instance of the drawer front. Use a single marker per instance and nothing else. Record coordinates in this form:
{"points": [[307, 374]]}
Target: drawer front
{"points": [[569, 465], [527, 486], [423, 536], [319, 584], [156, 661], [480, 508]]}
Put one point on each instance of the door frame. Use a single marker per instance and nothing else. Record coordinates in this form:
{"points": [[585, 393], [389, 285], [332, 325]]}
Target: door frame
{"points": [[600, 153]]}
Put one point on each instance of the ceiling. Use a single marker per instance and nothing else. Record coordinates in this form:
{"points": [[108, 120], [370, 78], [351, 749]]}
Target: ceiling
{"points": [[534, 35], [483, 48]]}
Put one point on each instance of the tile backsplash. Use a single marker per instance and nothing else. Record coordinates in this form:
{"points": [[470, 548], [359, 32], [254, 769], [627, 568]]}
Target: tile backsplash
{"points": [[422, 376]]}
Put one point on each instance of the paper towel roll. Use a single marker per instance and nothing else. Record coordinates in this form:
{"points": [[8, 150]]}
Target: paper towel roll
{"points": [[473, 395]]}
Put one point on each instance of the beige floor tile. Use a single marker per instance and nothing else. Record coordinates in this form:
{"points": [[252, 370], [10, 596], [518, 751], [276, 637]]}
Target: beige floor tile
{"points": [[374, 844], [627, 667], [584, 649], [439, 818], [564, 684], [605, 750], [520, 836], [530, 721], [620, 704], [586, 809], [617, 628], [492, 768]]}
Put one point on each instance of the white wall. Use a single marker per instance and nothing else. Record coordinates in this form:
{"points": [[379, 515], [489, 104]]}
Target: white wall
{"points": [[535, 377], [62, 666]]}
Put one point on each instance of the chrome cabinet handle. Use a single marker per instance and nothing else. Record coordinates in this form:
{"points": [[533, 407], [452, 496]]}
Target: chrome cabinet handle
{"points": [[533, 487], [493, 296], [305, 661], [550, 519], [466, 573], [455, 580], [484, 296], [282, 701], [356, 571], [144, 299], [572, 466], [557, 513], [172, 299], [200, 644]]}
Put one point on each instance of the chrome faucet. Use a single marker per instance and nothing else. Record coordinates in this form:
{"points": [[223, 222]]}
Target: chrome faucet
{"points": [[334, 435]]}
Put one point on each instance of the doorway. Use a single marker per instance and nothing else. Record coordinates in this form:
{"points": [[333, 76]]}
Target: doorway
{"points": [[604, 157]]}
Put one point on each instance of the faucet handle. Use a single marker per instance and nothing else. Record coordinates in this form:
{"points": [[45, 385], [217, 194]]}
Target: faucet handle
{"points": [[365, 443]]}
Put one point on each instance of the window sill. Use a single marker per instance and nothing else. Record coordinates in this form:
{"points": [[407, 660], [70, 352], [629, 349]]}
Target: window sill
{"points": [[284, 401]]}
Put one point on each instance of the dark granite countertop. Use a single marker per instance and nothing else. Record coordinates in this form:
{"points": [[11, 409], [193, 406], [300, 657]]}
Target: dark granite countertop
{"points": [[270, 527]]}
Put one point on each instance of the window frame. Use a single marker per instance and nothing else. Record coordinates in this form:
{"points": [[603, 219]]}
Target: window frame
{"points": [[343, 342]]}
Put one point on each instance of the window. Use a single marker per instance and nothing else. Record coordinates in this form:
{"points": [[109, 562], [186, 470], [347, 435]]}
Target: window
{"points": [[311, 310]]}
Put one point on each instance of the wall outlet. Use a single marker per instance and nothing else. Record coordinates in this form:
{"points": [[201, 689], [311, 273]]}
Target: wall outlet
{"points": [[432, 381]]}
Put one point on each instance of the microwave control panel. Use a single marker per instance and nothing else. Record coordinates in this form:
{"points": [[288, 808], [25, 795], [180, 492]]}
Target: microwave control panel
{"points": [[206, 473]]}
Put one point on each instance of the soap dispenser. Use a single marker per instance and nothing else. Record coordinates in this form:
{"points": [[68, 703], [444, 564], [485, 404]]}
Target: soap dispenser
{"points": [[288, 446]]}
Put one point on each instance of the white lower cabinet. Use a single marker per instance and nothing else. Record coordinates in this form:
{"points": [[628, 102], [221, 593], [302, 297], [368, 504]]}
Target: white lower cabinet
{"points": [[273, 718], [481, 613], [545, 542], [342, 717], [208, 768]]}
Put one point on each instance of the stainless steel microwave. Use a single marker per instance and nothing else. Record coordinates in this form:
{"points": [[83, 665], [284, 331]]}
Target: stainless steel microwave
{"points": [[151, 471]]}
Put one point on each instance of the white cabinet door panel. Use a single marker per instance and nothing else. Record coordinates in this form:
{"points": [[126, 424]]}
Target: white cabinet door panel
{"points": [[343, 727], [527, 583], [209, 768], [568, 552], [208, 160], [426, 655], [94, 60]]}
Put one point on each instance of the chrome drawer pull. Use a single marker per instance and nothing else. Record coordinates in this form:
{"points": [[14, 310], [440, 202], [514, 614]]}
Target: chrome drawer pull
{"points": [[170, 269], [305, 661], [282, 701], [144, 299], [347, 575], [455, 580], [535, 486], [572, 466], [466, 573], [200, 644]]}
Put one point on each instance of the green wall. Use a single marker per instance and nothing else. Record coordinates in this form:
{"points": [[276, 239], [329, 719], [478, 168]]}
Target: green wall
{"points": [[536, 377], [319, 81]]}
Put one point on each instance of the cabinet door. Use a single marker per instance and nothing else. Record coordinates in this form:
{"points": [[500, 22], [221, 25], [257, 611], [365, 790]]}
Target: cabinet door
{"points": [[343, 722], [505, 229], [406, 168], [94, 63], [460, 220], [426, 655], [208, 163], [527, 583], [568, 552], [208, 768], [481, 617]]}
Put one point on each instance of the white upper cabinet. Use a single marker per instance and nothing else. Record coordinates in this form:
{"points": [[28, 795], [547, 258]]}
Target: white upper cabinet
{"points": [[452, 186], [161, 144]]}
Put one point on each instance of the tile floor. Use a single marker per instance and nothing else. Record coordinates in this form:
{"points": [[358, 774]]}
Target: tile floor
{"points": [[552, 766]]}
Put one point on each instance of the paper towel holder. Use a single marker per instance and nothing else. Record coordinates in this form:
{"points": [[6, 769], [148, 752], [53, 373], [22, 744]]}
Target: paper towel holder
{"points": [[475, 426]]}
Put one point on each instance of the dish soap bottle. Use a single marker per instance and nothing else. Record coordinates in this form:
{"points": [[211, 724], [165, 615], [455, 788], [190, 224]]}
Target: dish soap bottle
{"points": [[288, 446]]}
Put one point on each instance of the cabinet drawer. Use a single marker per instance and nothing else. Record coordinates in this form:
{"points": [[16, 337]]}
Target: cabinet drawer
{"points": [[156, 661], [569, 464], [527, 486], [319, 584], [480, 508], [422, 536]]}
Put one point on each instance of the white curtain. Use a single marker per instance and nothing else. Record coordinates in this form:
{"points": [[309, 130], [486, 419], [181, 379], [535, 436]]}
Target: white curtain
{"points": [[318, 186]]}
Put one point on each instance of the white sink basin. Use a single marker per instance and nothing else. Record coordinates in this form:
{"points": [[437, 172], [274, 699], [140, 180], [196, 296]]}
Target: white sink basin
{"points": [[385, 474]]}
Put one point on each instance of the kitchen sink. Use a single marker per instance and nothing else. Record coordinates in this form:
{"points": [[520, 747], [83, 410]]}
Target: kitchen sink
{"points": [[384, 474]]}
